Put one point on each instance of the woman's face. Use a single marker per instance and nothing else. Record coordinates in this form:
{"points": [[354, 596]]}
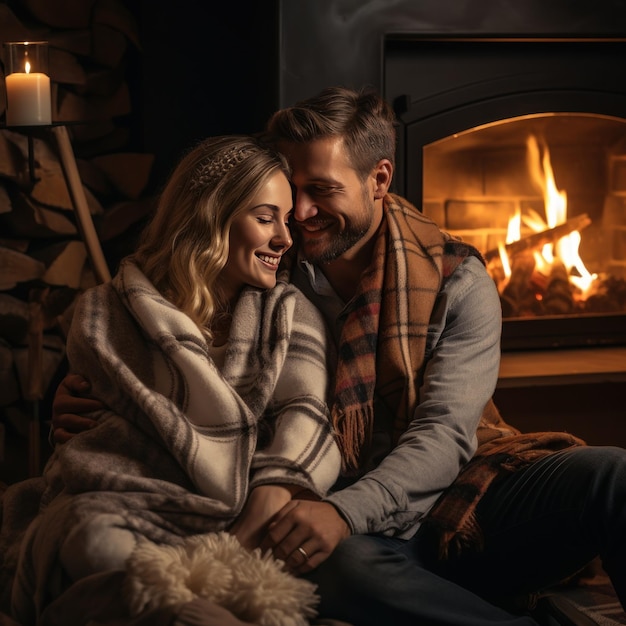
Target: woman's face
{"points": [[258, 238]]}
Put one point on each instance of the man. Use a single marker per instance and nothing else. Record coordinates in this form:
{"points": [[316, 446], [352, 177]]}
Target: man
{"points": [[444, 514]]}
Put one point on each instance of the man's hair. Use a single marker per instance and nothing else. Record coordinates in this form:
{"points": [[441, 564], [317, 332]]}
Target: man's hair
{"points": [[185, 246], [364, 121]]}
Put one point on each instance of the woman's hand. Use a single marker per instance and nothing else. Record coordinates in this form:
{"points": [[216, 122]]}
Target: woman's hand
{"points": [[70, 400], [262, 504]]}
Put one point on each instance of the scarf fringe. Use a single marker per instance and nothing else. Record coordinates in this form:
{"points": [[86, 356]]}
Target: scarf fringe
{"points": [[353, 429], [468, 536]]}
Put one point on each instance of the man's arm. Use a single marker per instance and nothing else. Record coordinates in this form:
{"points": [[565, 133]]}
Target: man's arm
{"points": [[70, 401]]}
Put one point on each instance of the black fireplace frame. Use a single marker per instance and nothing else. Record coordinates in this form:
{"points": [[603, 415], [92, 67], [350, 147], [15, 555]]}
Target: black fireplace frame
{"points": [[340, 42], [508, 77], [585, 83]]}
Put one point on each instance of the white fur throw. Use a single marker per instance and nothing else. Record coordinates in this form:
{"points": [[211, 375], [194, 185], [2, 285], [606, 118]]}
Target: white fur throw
{"points": [[254, 587]]}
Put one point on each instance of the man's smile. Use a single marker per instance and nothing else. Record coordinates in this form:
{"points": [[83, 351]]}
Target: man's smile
{"points": [[313, 226]]}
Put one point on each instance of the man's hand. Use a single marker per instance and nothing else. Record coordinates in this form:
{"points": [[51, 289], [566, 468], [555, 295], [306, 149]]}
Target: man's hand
{"points": [[304, 533], [71, 399]]}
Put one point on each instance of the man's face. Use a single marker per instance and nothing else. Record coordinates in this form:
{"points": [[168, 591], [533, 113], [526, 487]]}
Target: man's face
{"points": [[333, 209]]}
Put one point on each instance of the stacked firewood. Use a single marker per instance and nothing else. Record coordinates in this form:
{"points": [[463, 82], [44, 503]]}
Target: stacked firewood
{"points": [[44, 263]]}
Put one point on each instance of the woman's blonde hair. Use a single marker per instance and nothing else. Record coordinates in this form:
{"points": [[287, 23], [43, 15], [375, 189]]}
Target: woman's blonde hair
{"points": [[185, 246]]}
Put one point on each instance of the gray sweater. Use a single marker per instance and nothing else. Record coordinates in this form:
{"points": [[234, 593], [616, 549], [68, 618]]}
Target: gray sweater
{"points": [[397, 486]]}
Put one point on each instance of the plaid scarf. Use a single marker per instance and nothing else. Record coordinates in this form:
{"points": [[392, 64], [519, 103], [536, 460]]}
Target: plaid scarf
{"points": [[383, 342], [453, 517], [381, 354]]}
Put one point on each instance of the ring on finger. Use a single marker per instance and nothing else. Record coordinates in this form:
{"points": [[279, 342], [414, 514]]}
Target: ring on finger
{"points": [[302, 551]]}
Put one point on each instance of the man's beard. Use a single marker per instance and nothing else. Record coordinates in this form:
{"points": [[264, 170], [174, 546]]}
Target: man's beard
{"points": [[321, 252], [331, 248]]}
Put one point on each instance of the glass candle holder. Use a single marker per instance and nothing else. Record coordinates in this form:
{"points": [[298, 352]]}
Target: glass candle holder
{"points": [[27, 83]]}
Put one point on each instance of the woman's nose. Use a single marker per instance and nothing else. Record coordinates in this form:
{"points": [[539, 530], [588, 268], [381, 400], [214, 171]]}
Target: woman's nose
{"points": [[282, 238]]}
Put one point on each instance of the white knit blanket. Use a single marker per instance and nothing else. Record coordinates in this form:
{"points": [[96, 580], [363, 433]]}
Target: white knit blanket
{"points": [[182, 444]]}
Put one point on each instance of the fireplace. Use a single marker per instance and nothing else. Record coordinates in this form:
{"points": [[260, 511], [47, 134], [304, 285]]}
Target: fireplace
{"points": [[506, 123], [470, 82]]}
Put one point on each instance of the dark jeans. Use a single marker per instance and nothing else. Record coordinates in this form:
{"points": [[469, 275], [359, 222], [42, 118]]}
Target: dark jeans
{"points": [[540, 525]]}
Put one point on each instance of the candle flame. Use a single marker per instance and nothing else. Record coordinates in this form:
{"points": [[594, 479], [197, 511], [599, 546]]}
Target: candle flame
{"points": [[27, 67]]}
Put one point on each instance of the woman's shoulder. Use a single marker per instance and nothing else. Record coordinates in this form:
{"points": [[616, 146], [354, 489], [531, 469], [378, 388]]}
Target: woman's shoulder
{"points": [[285, 297], [97, 293]]}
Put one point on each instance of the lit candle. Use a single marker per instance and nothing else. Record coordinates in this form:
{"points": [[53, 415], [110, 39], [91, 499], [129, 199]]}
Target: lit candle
{"points": [[28, 91]]}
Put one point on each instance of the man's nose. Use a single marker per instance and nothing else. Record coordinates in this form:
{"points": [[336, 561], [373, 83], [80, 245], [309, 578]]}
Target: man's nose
{"points": [[303, 207]]}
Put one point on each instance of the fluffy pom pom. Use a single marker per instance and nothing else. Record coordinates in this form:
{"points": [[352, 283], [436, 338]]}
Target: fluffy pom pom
{"points": [[254, 587]]}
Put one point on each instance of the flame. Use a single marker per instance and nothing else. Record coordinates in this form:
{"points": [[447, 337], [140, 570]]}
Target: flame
{"points": [[27, 67], [555, 206], [513, 233], [514, 230]]}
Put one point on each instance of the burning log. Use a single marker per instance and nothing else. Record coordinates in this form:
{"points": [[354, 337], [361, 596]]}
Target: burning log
{"points": [[517, 298], [558, 299], [536, 240]]}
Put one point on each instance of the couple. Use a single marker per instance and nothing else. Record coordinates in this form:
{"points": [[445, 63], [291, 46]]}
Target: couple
{"points": [[442, 515]]}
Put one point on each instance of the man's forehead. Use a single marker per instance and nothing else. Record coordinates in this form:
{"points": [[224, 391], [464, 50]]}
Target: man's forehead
{"points": [[316, 158]]}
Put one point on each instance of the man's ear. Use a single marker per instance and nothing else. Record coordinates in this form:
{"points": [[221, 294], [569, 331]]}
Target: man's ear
{"points": [[381, 178]]}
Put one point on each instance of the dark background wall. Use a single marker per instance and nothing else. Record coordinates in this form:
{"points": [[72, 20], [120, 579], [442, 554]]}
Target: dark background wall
{"points": [[324, 42], [205, 68], [209, 67]]}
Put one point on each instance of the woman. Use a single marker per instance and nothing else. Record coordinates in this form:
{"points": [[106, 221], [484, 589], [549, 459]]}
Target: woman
{"points": [[213, 375]]}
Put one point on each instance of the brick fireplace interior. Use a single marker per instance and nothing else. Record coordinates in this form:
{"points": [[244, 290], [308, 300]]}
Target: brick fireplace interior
{"points": [[484, 183]]}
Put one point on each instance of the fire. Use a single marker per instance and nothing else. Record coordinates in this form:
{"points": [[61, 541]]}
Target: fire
{"points": [[565, 250]]}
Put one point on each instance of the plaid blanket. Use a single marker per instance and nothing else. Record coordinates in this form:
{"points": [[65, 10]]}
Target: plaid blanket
{"points": [[178, 448]]}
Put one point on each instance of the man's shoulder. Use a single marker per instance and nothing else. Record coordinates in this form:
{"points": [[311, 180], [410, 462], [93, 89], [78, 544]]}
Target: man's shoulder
{"points": [[469, 269], [471, 284]]}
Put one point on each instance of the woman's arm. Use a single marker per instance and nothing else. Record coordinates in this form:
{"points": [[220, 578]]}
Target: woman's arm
{"points": [[302, 450], [262, 505], [302, 460]]}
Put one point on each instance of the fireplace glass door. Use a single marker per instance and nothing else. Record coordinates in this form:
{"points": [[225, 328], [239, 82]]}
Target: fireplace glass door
{"points": [[543, 197]]}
